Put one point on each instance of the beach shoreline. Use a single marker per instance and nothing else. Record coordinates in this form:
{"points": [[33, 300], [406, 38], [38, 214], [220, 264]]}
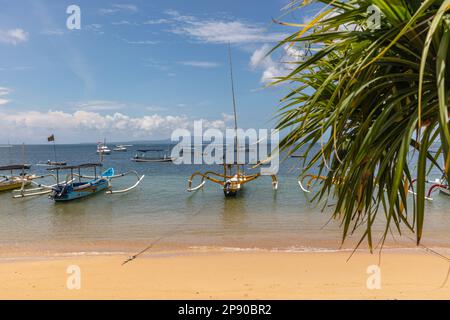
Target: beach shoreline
{"points": [[215, 274]]}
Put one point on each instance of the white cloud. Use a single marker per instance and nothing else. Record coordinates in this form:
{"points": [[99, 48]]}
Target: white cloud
{"points": [[53, 32], [126, 7], [13, 36], [85, 125], [271, 68], [157, 21], [82, 121], [95, 28], [124, 22], [115, 8], [4, 92], [141, 42], [155, 108], [200, 64], [219, 31], [155, 64], [99, 105], [227, 117]]}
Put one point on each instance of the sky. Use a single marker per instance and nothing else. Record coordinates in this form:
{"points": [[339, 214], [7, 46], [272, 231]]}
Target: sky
{"points": [[137, 70]]}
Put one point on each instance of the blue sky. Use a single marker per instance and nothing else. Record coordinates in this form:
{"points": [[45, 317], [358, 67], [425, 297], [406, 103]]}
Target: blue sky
{"points": [[136, 69]]}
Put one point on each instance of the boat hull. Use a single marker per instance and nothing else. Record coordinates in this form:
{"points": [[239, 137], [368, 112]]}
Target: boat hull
{"points": [[73, 193], [8, 186], [152, 160]]}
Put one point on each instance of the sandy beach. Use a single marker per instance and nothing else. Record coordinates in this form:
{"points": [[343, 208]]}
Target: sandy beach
{"points": [[410, 274]]}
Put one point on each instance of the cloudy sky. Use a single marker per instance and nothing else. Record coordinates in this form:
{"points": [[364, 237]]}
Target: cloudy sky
{"points": [[136, 70]]}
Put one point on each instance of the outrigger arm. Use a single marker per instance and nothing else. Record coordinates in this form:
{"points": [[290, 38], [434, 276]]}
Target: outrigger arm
{"points": [[109, 178], [40, 189], [439, 184], [139, 180], [240, 179]]}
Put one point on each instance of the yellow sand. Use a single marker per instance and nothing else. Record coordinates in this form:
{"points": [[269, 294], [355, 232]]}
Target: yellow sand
{"points": [[219, 275]]}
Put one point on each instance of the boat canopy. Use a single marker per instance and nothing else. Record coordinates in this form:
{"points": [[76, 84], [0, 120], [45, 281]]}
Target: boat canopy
{"points": [[80, 166], [15, 167]]}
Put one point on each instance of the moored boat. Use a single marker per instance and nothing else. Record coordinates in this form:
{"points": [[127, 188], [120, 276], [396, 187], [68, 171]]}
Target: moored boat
{"points": [[15, 180], [120, 148], [103, 149], [49, 163], [152, 155], [77, 186]]}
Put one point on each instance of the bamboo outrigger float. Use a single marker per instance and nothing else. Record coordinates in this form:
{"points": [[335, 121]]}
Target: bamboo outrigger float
{"points": [[76, 185], [233, 177], [441, 185], [231, 183]]}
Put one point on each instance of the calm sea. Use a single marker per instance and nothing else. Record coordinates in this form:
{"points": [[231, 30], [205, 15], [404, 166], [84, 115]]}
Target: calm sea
{"points": [[160, 211]]}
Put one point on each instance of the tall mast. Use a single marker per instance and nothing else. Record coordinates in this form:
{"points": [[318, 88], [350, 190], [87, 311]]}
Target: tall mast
{"points": [[9, 152], [234, 106]]}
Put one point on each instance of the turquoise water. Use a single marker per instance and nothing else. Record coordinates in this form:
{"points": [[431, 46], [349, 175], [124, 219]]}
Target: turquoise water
{"points": [[161, 211]]}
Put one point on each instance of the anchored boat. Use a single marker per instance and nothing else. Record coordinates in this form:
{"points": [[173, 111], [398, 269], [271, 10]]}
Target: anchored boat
{"points": [[77, 185], [233, 177], [50, 163], [439, 184], [17, 177], [103, 149], [152, 155], [121, 148]]}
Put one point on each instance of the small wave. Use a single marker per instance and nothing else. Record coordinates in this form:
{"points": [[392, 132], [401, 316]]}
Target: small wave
{"points": [[57, 255], [257, 249], [304, 249]]}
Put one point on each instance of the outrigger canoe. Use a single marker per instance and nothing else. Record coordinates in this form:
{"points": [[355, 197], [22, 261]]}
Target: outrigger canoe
{"points": [[14, 181], [70, 189], [77, 190], [76, 185]]}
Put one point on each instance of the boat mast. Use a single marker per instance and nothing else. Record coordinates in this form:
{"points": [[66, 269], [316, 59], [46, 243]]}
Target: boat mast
{"points": [[234, 109], [9, 152]]}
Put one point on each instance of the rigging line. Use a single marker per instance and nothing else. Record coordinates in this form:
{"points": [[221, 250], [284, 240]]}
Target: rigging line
{"points": [[431, 251], [165, 235], [234, 102], [232, 88]]}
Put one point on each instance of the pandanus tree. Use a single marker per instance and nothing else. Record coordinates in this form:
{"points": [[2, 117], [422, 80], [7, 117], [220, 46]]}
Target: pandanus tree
{"points": [[371, 95]]}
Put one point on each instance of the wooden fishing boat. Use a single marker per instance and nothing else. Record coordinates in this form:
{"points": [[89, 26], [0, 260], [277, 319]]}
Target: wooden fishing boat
{"points": [[306, 181], [77, 185], [50, 163], [233, 177], [152, 155], [439, 184], [14, 179]]}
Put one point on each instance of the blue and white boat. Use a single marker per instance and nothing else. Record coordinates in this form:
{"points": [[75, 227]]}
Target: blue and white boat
{"points": [[77, 186]]}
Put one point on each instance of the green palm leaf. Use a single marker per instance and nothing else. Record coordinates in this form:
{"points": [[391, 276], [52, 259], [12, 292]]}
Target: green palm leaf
{"points": [[370, 98]]}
